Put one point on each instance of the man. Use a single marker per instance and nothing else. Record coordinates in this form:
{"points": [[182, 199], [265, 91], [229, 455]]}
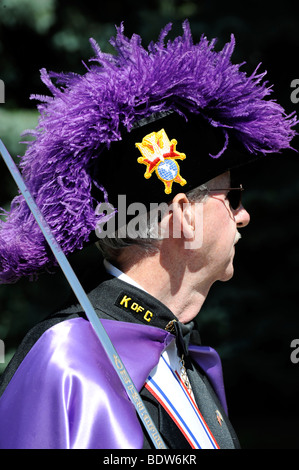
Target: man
{"points": [[164, 129]]}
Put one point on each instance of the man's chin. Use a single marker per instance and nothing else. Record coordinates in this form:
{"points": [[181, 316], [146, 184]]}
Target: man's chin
{"points": [[228, 274]]}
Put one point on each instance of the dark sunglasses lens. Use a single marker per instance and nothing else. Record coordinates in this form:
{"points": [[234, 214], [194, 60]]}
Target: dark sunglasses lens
{"points": [[234, 198]]}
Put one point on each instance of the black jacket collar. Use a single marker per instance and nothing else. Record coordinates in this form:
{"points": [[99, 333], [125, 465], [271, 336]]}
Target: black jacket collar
{"points": [[115, 299]]}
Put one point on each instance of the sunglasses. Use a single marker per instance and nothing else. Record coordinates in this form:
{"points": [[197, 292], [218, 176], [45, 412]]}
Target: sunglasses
{"points": [[234, 195]]}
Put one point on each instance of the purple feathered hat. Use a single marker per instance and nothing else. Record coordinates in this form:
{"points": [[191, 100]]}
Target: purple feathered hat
{"points": [[147, 123]]}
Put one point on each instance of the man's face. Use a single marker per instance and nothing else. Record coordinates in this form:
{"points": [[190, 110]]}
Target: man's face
{"points": [[220, 231]]}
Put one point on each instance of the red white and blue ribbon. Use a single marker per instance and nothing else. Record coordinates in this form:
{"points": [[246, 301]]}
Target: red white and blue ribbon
{"points": [[166, 385]]}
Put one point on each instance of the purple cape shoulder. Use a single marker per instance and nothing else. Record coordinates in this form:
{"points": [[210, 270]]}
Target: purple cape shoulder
{"points": [[66, 395]]}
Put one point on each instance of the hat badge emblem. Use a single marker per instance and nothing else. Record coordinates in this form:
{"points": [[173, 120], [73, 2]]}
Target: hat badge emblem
{"points": [[159, 154]]}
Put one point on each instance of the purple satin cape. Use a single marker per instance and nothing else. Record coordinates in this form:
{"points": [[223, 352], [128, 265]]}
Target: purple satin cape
{"points": [[66, 395]]}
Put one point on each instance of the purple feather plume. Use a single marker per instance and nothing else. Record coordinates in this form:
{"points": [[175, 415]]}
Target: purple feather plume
{"points": [[86, 113]]}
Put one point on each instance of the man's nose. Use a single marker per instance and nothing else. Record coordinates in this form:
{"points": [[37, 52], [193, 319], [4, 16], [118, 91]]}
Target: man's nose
{"points": [[242, 217]]}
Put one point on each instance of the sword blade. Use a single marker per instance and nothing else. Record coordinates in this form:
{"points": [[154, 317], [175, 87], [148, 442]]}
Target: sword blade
{"points": [[84, 302]]}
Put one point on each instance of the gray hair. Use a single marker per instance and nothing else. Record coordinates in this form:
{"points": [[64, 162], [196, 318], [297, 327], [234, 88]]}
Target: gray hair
{"points": [[148, 238]]}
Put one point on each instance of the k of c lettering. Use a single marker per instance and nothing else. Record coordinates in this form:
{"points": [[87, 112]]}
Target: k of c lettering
{"points": [[136, 307], [127, 302], [148, 315]]}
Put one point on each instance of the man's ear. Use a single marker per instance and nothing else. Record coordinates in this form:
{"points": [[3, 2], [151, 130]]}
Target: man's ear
{"points": [[182, 217]]}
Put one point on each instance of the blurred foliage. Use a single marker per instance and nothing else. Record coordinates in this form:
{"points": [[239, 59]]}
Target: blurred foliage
{"points": [[250, 320]]}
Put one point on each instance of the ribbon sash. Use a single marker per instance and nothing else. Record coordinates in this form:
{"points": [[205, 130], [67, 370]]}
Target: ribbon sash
{"points": [[166, 385]]}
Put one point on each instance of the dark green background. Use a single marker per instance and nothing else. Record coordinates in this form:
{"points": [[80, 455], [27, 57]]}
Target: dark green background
{"points": [[252, 319]]}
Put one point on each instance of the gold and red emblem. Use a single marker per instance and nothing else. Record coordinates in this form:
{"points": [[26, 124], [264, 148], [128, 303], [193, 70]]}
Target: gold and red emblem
{"points": [[160, 155]]}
